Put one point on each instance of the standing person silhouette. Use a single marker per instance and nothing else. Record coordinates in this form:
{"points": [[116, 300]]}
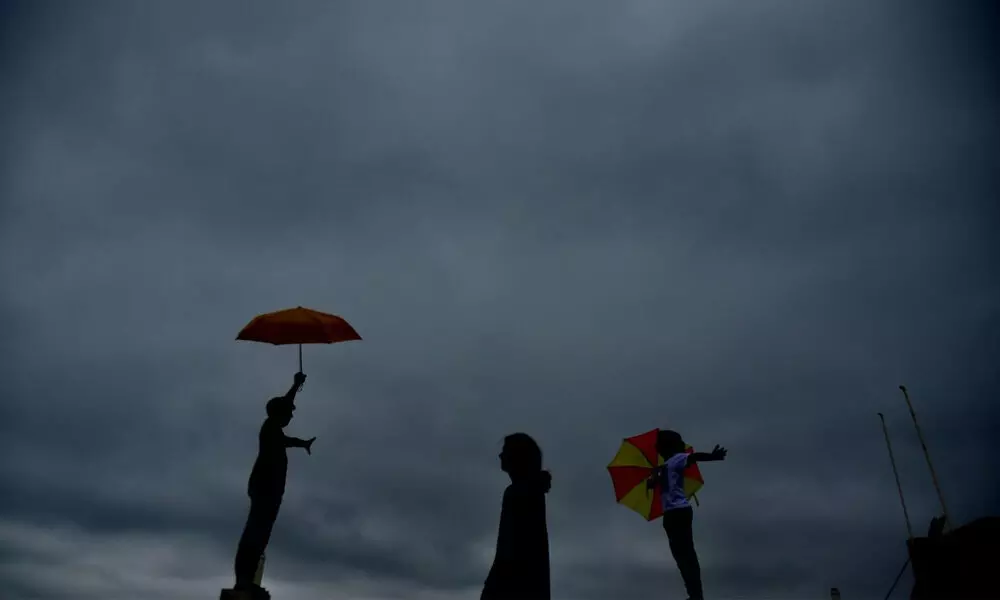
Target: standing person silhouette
{"points": [[267, 484], [521, 566], [677, 512]]}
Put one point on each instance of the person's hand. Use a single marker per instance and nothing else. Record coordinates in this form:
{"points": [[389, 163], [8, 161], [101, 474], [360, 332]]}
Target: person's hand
{"points": [[719, 453], [309, 445], [653, 479], [300, 378]]}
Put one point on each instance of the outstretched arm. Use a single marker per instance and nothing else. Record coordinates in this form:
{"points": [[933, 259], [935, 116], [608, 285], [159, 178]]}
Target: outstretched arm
{"points": [[719, 453], [294, 442]]}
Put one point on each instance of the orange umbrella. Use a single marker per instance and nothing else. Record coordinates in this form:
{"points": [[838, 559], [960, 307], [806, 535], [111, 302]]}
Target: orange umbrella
{"points": [[298, 326], [634, 464]]}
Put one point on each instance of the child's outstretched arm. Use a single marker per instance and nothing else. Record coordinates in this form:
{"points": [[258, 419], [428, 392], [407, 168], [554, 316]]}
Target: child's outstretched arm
{"points": [[294, 442], [719, 453]]}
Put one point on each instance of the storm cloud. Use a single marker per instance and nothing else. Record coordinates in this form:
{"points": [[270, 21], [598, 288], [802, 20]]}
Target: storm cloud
{"points": [[748, 221]]}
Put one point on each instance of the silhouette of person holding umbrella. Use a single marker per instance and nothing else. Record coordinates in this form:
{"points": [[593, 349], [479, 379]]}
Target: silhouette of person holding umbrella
{"points": [[267, 485]]}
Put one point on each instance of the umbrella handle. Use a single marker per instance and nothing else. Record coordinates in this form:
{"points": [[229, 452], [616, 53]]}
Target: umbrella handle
{"points": [[300, 365]]}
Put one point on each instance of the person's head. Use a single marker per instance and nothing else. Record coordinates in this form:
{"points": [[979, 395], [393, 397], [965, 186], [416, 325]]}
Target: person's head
{"points": [[280, 409], [520, 455], [669, 443]]}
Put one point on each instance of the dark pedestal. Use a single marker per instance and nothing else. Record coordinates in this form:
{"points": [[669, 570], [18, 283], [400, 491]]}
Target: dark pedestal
{"points": [[231, 594]]}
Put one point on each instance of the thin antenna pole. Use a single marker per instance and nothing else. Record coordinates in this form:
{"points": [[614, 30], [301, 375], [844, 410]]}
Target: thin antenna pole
{"points": [[896, 582], [899, 487], [927, 455]]}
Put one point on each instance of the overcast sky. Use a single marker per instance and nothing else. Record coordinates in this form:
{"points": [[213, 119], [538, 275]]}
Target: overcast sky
{"points": [[748, 221]]}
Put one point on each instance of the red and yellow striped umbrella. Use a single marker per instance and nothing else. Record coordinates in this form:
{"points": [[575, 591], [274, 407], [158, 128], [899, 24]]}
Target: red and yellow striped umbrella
{"points": [[634, 464]]}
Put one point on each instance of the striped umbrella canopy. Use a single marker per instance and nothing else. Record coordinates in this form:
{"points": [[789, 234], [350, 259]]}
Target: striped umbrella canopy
{"points": [[635, 462]]}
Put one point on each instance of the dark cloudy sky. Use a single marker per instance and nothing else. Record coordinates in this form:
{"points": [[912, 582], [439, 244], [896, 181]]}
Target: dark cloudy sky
{"points": [[749, 221]]}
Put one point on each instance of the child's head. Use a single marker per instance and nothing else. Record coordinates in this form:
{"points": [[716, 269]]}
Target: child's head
{"points": [[280, 409], [669, 443]]}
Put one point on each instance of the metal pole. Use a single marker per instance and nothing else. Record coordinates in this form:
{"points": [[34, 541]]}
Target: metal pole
{"points": [[896, 582], [927, 455], [300, 358], [899, 487]]}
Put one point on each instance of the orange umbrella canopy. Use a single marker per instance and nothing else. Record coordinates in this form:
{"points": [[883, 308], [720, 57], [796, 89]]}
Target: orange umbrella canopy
{"points": [[634, 464], [298, 326]]}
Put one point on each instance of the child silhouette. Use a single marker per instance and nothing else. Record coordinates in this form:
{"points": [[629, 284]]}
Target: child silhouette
{"points": [[267, 485], [677, 512]]}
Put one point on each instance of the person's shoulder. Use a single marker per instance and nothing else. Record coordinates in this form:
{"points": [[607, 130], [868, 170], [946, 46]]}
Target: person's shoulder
{"points": [[509, 493], [529, 488], [514, 491], [677, 459]]}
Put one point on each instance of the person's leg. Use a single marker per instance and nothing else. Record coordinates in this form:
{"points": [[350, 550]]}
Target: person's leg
{"points": [[256, 535], [674, 527], [687, 558], [246, 545], [677, 523]]}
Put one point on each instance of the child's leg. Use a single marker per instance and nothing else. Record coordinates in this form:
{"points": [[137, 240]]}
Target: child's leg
{"points": [[256, 534], [678, 525]]}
